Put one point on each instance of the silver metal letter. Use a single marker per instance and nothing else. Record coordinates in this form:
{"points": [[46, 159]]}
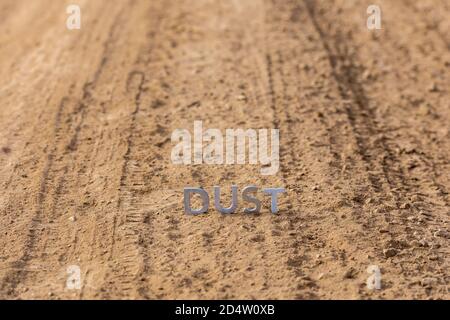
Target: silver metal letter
{"points": [[187, 200], [274, 192], [250, 199], [234, 195]]}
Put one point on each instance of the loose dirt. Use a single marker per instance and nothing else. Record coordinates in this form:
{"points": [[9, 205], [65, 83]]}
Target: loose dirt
{"points": [[86, 177]]}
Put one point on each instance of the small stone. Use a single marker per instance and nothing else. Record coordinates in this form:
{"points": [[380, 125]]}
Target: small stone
{"points": [[242, 97], [306, 282], [420, 220], [415, 243], [6, 150], [350, 273], [424, 213], [304, 66], [423, 110], [72, 219], [157, 104], [428, 282], [405, 205], [442, 233], [390, 252], [433, 88], [367, 75], [424, 243]]}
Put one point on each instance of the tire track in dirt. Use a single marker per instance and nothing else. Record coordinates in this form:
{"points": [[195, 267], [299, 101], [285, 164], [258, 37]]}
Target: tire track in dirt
{"points": [[295, 259], [307, 244], [338, 241], [296, 241], [424, 141], [129, 242], [398, 180], [380, 162], [18, 273], [360, 117], [125, 251], [431, 163], [13, 279], [68, 151], [275, 239], [137, 87], [211, 270]]}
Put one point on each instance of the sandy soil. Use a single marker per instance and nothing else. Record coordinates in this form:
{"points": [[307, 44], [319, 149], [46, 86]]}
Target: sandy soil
{"points": [[86, 177]]}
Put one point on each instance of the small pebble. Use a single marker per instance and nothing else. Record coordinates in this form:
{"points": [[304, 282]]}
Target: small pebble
{"points": [[433, 88], [428, 282], [390, 252], [350, 273], [442, 233]]}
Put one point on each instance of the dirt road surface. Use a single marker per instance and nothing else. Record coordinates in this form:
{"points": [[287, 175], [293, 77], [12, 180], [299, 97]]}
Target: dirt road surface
{"points": [[86, 178]]}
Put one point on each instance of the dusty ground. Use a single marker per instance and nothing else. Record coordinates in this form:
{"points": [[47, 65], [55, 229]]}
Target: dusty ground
{"points": [[85, 171]]}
